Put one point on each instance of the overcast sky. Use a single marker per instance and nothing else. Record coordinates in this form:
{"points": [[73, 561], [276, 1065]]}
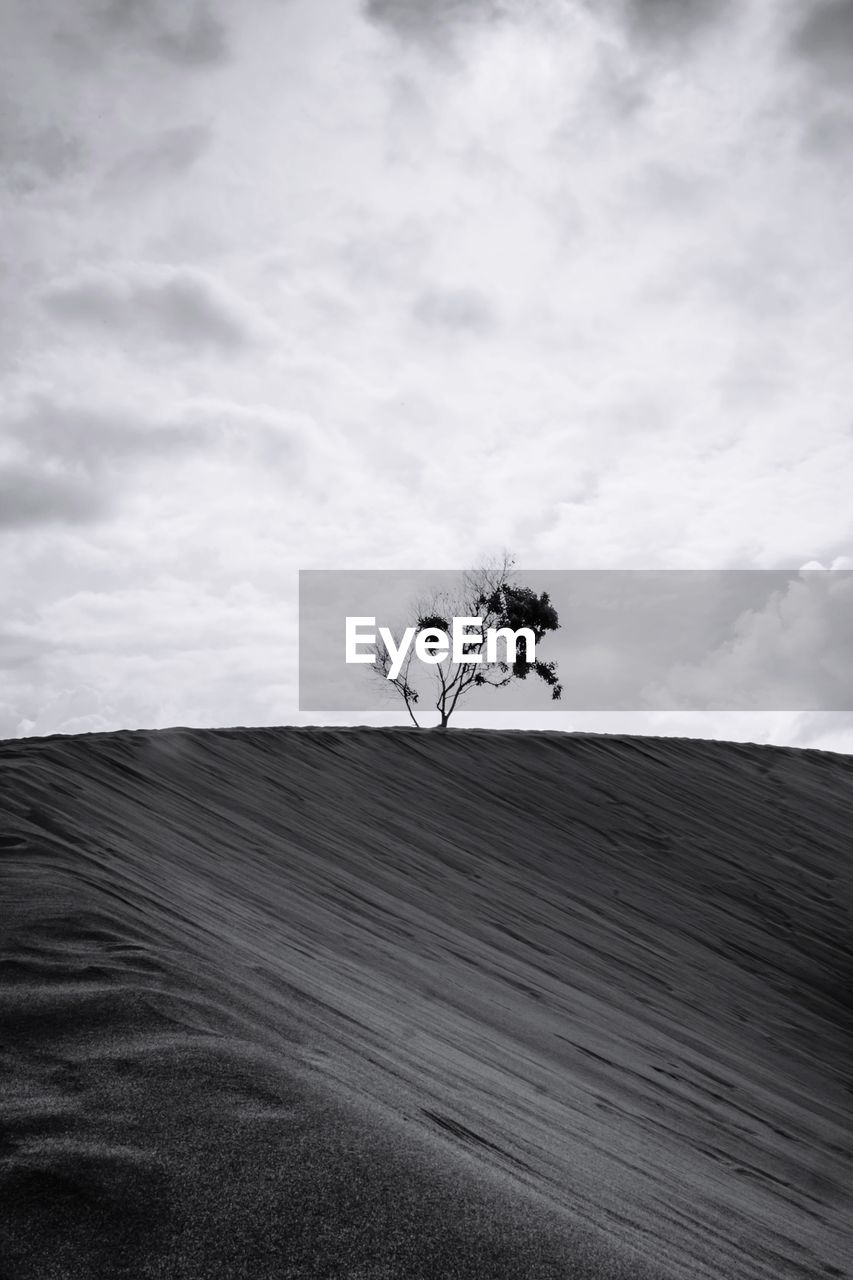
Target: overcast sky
{"points": [[323, 284]]}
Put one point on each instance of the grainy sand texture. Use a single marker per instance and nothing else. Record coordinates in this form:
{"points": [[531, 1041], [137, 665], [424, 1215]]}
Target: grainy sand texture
{"points": [[356, 1004]]}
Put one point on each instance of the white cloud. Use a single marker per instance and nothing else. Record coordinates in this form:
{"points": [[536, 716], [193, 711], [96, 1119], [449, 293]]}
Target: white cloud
{"points": [[37, 494], [181, 307], [170, 153], [185, 33], [792, 652]]}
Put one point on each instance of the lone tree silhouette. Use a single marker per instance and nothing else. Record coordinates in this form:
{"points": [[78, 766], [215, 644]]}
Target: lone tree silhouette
{"points": [[488, 593]]}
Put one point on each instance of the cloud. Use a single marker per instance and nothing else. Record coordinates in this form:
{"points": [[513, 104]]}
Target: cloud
{"points": [[32, 495], [435, 22], [456, 310], [64, 461], [792, 652], [169, 155], [160, 653], [247, 434], [431, 21], [188, 35], [831, 134], [74, 463], [826, 36], [180, 307], [17, 650], [30, 156], [673, 19], [92, 438], [98, 441]]}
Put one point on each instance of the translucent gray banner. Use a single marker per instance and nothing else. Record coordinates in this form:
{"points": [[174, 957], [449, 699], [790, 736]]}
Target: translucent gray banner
{"points": [[628, 640]]}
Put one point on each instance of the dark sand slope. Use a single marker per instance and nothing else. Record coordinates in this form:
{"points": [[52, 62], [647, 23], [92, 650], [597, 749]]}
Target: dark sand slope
{"points": [[369, 1003]]}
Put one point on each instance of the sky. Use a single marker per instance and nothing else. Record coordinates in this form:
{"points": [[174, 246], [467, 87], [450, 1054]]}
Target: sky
{"points": [[299, 284]]}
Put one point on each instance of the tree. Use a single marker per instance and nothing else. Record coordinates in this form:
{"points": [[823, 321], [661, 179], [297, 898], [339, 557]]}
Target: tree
{"points": [[488, 593]]}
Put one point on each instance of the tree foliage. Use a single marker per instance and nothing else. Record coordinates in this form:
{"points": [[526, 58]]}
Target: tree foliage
{"points": [[491, 594]]}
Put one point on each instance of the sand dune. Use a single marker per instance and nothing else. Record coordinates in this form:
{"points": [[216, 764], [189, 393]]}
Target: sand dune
{"points": [[381, 1003]]}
